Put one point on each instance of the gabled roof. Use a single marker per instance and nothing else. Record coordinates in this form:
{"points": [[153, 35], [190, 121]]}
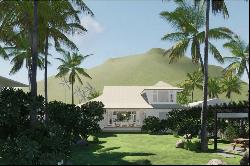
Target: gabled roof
{"points": [[130, 96], [5, 82]]}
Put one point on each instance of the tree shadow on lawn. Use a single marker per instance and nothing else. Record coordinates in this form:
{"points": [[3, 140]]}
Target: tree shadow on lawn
{"points": [[96, 154], [105, 135]]}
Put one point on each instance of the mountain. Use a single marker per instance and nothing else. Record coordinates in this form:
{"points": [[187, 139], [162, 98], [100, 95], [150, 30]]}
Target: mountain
{"points": [[141, 69]]}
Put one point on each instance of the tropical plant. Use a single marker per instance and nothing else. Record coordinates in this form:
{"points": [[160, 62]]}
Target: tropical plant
{"points": [[240, 59], [231, 84], [217, 6], [214, 88], [189, 22], [194, 81], [93, 94], [183, 97], [46, 19], [71, 66], [60, 18]]}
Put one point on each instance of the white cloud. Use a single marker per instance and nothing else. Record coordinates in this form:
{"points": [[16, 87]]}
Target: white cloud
{"points": [[92, 25]]}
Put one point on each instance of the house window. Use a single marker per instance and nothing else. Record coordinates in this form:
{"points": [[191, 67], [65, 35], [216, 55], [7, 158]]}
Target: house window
{"points": [[155, 96], [171, 98], [163, 96]]}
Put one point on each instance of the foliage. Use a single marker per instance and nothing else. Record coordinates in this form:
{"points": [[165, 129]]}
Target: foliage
{"points": [[245, 158], [71, 66], [183, 97], [76, 121], [194, 80], [154, 125], [231, 84], [192, 144], [187, 120], [46, 142], [93, 94], [239, 61], [22, 144], [189, 21], [231, 133], [214, 88]]}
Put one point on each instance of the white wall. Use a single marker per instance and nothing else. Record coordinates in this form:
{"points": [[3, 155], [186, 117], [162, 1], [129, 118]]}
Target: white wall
{"points": [[141, 114]]}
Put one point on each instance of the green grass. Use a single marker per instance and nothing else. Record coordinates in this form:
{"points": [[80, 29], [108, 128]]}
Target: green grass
{"points": [[126, 149], [141, 69]]}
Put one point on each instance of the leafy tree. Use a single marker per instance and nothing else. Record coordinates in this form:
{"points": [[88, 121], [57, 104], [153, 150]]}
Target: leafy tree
{"points": [[71, 66], [240, 59], [231, 84], [214, 88]]}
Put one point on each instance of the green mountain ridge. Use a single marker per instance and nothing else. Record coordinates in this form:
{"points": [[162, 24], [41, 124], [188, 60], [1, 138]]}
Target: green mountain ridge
{"points": [[140, 69]]}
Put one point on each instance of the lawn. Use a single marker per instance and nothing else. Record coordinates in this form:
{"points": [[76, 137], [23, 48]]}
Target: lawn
{"points": [[125, 149]]}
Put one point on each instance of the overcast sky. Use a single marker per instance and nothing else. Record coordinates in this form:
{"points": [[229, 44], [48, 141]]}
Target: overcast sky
{"points": [[126, 27]]}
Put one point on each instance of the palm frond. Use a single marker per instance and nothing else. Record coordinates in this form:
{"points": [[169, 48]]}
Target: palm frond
{"points": [[215, 52]]}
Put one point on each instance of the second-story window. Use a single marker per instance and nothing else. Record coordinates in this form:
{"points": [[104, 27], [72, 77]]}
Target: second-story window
{"points": [[163, 96], [155, 96], [171, 98]]}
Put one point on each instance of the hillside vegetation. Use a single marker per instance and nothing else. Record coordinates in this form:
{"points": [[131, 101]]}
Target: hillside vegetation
{"points": [[141, 69]]}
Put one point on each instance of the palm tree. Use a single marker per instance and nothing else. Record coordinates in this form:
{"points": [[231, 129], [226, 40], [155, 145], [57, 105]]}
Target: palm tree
{"points": [[34, 50], [56, 23], [189, 21], [23, 57], [214, 88], [71, 65], [217, 6], [194, 81], [231, 84], [240, 59]]}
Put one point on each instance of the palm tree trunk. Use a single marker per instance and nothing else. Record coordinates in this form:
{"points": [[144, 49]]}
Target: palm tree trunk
{"points": [[34, 63], [204, 143], [46, 76], [29, 76], [200, 57], [72, 88], [247, 70], [192, 96]]}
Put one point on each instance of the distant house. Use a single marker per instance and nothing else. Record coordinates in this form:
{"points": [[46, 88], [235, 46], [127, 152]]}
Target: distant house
{"points": [[127, 106]]}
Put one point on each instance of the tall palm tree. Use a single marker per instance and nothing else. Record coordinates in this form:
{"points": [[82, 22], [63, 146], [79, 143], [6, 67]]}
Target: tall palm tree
{"points": [[240, 59], [189, 22], [214, 88], [71, 66], [231, 84], [217, 6], [56, 24]]}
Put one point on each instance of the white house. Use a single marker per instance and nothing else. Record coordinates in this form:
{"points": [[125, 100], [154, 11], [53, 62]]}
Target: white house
{"points": [[127, 106]]}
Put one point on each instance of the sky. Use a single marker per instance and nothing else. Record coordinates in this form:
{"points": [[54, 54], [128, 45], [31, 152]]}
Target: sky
{"points": [[129, 27]]}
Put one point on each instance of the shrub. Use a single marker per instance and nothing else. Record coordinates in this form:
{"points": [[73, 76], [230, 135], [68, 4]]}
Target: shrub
{"points": [[44, 143], [77, 122], [154, 125], [245, 159], [230, 133]]}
